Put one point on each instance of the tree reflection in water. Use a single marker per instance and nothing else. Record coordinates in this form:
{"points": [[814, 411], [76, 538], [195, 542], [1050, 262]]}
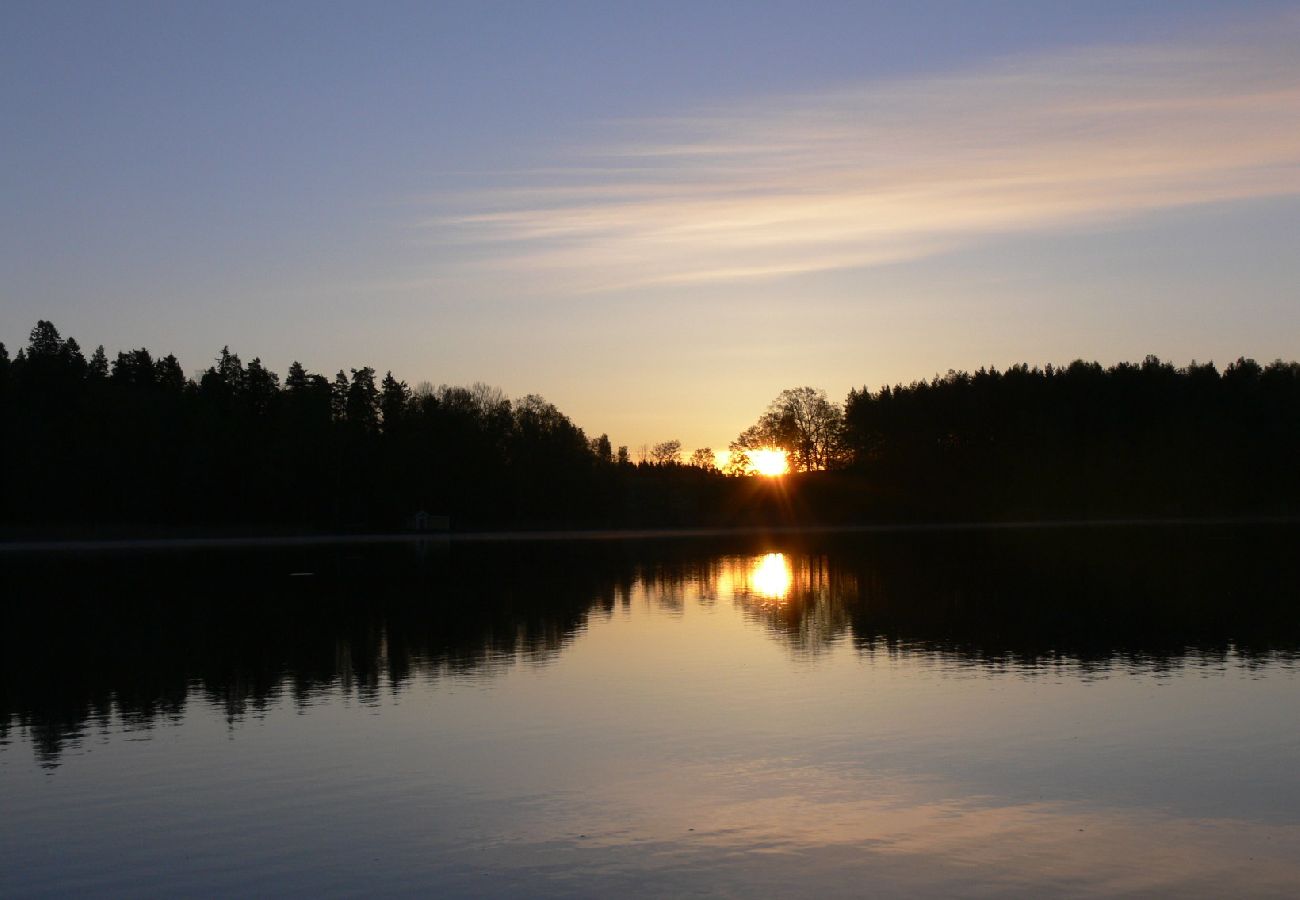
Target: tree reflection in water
{"points": [[801, 597], [136, 637]]}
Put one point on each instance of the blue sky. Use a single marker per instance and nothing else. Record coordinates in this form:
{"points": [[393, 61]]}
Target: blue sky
{"points": [[655, 215]]}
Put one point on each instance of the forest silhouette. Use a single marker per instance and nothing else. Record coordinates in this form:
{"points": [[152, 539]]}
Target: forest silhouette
{"points": [[93, 447]]}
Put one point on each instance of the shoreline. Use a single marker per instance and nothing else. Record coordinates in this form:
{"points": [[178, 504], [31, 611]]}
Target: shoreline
{"points": [[212, 542]]}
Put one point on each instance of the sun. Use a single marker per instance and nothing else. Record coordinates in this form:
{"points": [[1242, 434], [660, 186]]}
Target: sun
{"points": [[769, 462]]}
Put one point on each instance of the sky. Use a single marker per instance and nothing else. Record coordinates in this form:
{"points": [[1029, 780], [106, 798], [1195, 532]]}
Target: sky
{"points": [[660, 215]]}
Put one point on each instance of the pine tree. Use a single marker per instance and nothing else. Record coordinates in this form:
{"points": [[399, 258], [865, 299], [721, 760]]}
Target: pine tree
{"points": [[98, 368]]}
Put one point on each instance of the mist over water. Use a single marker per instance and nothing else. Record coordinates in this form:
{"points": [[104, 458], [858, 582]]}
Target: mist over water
{"points": [[1075, 710]]}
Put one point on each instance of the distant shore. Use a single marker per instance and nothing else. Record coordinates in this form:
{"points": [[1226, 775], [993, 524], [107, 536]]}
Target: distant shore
{"points": [[224, 541]]}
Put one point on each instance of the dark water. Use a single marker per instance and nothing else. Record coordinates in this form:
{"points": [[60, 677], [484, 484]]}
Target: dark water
{"points": [[1070, 712]]}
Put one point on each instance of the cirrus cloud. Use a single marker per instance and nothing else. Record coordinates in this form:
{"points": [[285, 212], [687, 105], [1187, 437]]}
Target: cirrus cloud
{"points": [[893, 171]]}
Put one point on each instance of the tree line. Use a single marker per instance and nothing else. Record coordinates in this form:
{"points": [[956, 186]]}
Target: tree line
{"points": [[1083, 441], [90, 445]]}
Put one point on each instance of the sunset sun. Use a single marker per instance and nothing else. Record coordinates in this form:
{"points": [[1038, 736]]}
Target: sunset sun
{"points": [[769, 462]]}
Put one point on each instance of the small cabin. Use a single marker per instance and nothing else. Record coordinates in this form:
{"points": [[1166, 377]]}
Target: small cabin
{"points": [[421, 520]]}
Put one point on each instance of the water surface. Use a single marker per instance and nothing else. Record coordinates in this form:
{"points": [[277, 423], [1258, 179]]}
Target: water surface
{"points": [[1068, 712]]}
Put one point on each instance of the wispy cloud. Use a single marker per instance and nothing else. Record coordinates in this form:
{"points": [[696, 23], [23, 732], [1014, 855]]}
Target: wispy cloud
{"points": [[887, 172]]}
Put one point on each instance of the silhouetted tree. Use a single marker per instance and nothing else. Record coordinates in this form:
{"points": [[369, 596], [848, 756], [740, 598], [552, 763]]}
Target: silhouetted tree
{"points": [[296, 380], [134, 368], [703, 458], [339, 397], [393, 399], [261, 389], [168, 374], [363, 400], [44, 342], [309, 397], [73, 359], [98, 366], [738, 462], [666, 453], [222, 383], [803, 423]]}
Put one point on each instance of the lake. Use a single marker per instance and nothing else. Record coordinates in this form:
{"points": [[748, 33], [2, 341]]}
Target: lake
{"points": [[1069, 711]]}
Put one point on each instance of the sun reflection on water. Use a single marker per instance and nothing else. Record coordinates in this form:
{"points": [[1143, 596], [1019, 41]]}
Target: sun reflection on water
{"points": [[771, 577]]}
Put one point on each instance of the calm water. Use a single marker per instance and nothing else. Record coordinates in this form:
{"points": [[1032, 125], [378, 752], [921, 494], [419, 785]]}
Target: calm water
{"points": [[1071, 712]]}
